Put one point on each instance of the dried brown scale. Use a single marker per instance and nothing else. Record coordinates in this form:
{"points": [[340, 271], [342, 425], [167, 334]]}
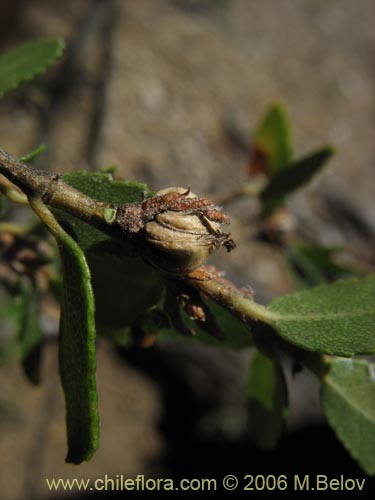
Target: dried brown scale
{"points": [[247, 292], [129, 218], [172, 309], [190, 300], [206, 273], [200, 312], [216, 216], [133, 216], [196, 312], [175, 201]]}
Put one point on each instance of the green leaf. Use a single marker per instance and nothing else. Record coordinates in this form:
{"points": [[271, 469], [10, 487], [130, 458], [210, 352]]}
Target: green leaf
{"points": [[348, 399], [337, 319], [272, 141], [288, 180], [313, 265], [102, 187], [124, 289], [30, 335], [27, 61], [77, 360], [268, 400], [77, 354], [29, 157]]}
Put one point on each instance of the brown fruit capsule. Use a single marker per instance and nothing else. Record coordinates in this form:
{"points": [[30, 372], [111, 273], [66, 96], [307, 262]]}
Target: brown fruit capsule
{"points": [[184, 233]]}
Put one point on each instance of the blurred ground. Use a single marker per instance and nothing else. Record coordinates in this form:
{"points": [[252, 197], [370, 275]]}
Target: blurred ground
{"points": [[169, 91], [32, 426]]}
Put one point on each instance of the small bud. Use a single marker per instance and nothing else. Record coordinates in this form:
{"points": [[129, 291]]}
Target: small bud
{"points": [[182, 232]]}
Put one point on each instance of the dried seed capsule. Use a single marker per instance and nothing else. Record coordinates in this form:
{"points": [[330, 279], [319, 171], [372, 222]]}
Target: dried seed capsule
{"points": [[183, 232]]}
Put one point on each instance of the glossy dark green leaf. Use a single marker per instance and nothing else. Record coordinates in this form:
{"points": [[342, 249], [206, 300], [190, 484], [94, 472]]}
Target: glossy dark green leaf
{"points": [[284, 182], [27, 61], [30, 336], [272, 141], [337, 318], [348, 398], [268, 400]]}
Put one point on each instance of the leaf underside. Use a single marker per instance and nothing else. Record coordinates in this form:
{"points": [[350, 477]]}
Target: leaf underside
{"points": [[77, 359]]}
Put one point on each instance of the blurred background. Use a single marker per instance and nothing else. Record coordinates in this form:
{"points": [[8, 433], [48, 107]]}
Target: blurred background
{"points": [[169, 91]]}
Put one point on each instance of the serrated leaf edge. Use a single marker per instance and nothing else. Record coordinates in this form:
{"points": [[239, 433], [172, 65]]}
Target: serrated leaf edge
{"points": [[59, 50]]}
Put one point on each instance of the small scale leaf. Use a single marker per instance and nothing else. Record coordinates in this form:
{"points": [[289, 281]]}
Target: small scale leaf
{"points": [[29, 157], [348, 398], [291, 178], [27, 61], [268, 400], [272, 148], [337, 319]]}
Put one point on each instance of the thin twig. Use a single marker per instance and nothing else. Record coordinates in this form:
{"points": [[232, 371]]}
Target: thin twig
{"points": [[227, 295], [52, 191]]}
